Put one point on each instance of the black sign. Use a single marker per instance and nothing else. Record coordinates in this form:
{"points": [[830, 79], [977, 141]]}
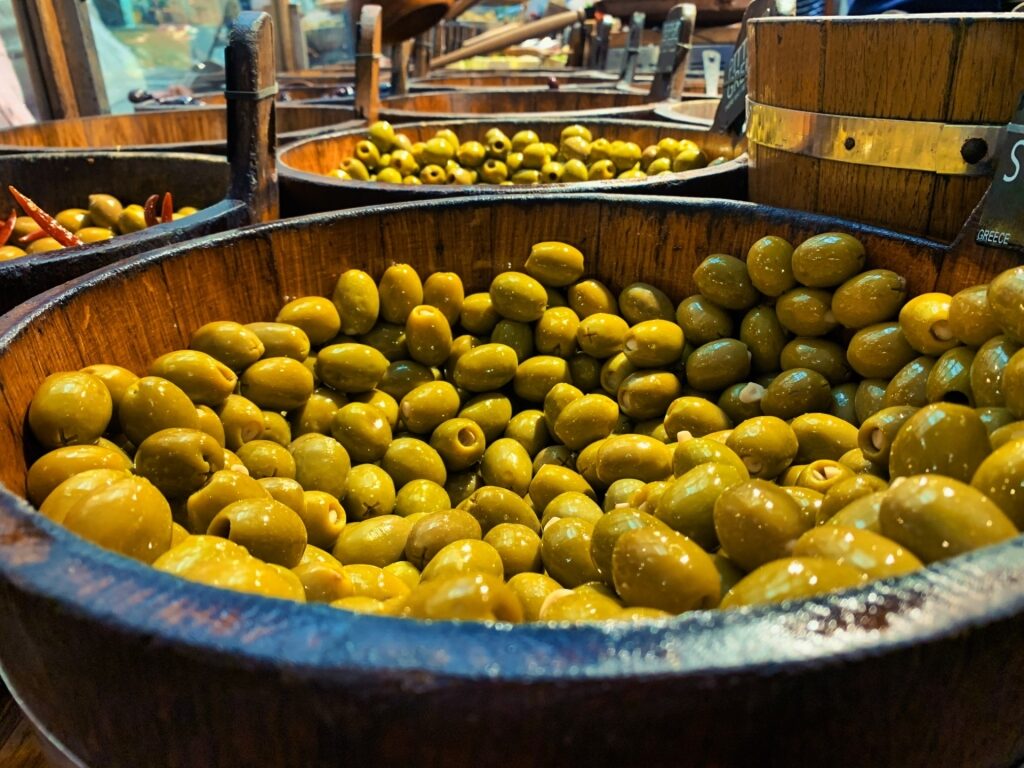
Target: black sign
{"points": [[1002, 218], [669, 42], [732, 108]]}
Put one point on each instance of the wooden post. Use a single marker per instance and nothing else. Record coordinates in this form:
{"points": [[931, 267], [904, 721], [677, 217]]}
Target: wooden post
{"points": [[250, 89], [400, 53], [368, 63], [61, 56], [282, 21], [300, 49], [421, 56], [674, 52], [636, 31], [600, 49], [577, 43]]}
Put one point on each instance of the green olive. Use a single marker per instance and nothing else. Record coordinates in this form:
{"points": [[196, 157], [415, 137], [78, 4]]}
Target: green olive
{"points": [[724, 280], [944, 438], [876, 434], [231, 343], [410, 459], [632, 456], [492, 411], [641, 302], [695, 416], [1005, 298], [129, 516], [265, 458], [131, 219], [104, 210], [910, 384], [554, 264], [843, 402], [465, 597], [179, 461], [870, 398], [571, 504], [517, 296], [791, 578], [322, 576], [879, 351], [936, 517], [151, 404], [1001, 478], [702, 320], [653, 344], [463, 557], [242, 421], [970, 318], [369, 492], [806, 311], [321, 463], [555, 332], [362, 430], [225, 564], [602, 335], [205, 380], [687, 505], [376, 541], [288, 491], [796, 391], [281, 340], [717, 365], [54, 467], [324, 517], [741, 401], [529, 429], [552, 480], [822, 355], [827, 260], [420, 497], [351, 367], [277, 383], [71, 408], [766, 445], [565, 550], [846, 491], [664, 569], [73, 219], [690, 453], [861, 513], [764, 336], [950, 378], [358, 302], [987, 370], [492, 505], [435, 530], [316, 316], [925, 323], [757, 522], [822, 436], [770, 265], [820, 475], [586, 419], [514, 334], [400, 291], [588, 297], [506, 464], [485, 368], [76, 487], [535, 377]]}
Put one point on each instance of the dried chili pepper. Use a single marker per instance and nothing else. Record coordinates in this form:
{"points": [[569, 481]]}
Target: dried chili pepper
{"points": [[8, 227], [167, 211], [149, 210], [45, 221], [31, 237]]}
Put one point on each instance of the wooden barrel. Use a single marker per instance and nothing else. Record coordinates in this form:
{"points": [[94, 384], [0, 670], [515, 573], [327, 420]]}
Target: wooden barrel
{"points": [[510, 104], [924, 670], [503, 79], [692, 111], [192, 129], [58, 180], [306, 188], [891, 119]]}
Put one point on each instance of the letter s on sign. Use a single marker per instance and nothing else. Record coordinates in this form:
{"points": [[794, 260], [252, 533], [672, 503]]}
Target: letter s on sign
{"points": [[1016, 163]]}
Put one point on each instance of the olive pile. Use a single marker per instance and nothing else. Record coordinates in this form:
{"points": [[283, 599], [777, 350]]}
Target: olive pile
{"points": [[392, 157], [103, 219], [547, 450]]}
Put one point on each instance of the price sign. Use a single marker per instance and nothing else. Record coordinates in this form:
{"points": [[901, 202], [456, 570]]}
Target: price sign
{"points": [[1002, 219], [676, 36], [732, 108]]}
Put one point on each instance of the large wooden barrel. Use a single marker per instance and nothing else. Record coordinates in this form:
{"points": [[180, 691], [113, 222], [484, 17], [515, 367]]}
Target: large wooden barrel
{"points": [[306, 187], [891, 119], [192, 129], [511, 104], [692, 111], [922, 670], [514, 78]]}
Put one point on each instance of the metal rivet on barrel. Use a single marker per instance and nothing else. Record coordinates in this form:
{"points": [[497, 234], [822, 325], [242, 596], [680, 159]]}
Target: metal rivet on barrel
{"points": [[850, 142], [974, 151]]}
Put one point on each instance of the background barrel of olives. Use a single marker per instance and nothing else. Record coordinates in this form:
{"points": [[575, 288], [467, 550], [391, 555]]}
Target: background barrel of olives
{"points": [[204, 674], [306, 189], [59, 180], [946, 69], [193, 129], [514, 78]]}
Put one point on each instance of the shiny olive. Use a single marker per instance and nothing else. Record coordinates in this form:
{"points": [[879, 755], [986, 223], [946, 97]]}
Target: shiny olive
{"points": [[369, 492], [54, 467], [552, 480], [702, 320], [231, 343], [664, 569], [74, 487], [205, 380], [588, 297], [264, 458], [764, 336], [796, 391], [602, 335], [640, 302], [687, 505], [529, 429], [944, 438], [821, 435], [179, 461], [766, 444], [879, 351], [104, 210], [400, 291], [376, 541], [988, 368], [535, 377], [350, 367], [724, 280], [485, 368], [717, 364], [221, 563], [632, 456], [770, 265], [492, 411], [554, 264], [324, 518], [362, 430], [791, 578], [586, 419], [358, 302], [288, 491], [517, 296], [741, 401], [910, 384], [936, 517], [970, 318], [950, 378], [465, 597], [757, 522], [277, 383], [555, 332], [1001, 478], [410, 459], [827, 260], [321, 463], [695, 416], [281, 340], [822, 355], [151, 404], [690, 453], [806, 311], [653, 344], [571, 504], [316, 316], [506, 464], [1005, 298], [565, 550], [70, 408]]}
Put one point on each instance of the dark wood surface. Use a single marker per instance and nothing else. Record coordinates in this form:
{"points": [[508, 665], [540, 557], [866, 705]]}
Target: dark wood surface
{"points": [[19, 746], [925, 670], [952, 69]]}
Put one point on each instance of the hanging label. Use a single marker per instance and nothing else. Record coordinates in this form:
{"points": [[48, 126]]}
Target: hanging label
{"points": [[732, 108], [1002, 218]]}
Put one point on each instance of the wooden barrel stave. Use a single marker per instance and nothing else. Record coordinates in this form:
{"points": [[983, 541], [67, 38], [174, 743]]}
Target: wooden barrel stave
{"points": [[305, 188], [514, 103]]}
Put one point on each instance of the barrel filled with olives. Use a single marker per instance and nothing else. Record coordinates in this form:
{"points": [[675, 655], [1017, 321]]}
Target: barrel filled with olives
{"points": [[385, 163], [711, 448]]}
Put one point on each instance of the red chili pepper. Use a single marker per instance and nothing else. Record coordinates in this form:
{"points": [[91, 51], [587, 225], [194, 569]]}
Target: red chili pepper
{"points": [[45, 221], [167, 211], [31, 237], [8, 227], [149, 210]]}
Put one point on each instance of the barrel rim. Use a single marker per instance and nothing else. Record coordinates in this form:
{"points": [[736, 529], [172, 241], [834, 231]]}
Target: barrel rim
{"points": [[45, 560]]}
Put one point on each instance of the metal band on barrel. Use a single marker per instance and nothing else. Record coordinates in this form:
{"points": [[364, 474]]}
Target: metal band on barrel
{"points": [[264, 93], [914, 145]]}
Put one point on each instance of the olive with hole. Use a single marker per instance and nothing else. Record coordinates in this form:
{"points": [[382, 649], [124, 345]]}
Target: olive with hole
{"points": [[875, 436], [910, 384], [950, 378]]}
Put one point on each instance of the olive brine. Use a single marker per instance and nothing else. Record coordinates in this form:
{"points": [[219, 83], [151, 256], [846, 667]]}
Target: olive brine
{"points": [[551, 450]]}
